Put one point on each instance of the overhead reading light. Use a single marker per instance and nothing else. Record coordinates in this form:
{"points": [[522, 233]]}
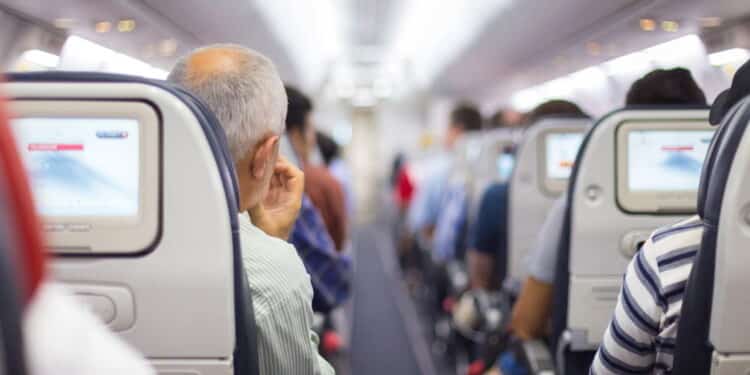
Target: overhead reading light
{"points": [[103, 27], [729, 56], [126, 25], [709, 22], [647, 24], [64, 23], [670, 26]]}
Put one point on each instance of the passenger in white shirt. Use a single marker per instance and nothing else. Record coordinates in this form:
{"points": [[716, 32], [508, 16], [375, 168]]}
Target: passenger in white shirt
{"points": [[244, 91]]}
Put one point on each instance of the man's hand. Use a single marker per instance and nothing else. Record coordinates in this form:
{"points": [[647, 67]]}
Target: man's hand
{"points": [[278, 211]]}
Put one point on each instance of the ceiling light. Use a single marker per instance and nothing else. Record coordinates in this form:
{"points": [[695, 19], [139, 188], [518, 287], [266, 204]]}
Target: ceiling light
{"points": [[594, 48], [64, 23], [709, 22], [647, 24], [126, 26], [103, 27], [431, 34], [730, 56], [670, 26], [168, 47], [41, 58], [634, 62]]}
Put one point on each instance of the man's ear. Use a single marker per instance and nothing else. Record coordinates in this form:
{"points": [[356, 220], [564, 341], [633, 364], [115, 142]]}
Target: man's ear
{"points": [[263, 155]]}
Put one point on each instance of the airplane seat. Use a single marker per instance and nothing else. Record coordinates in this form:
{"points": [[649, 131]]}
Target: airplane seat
{"points": [[711, 336], [20, 270], [154, 248], [613, 205], [494, 165], [534, 185]]}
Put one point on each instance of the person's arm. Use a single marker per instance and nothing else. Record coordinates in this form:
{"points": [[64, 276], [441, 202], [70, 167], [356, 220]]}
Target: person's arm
{"points": [[330, 272], [277, 214], [629, 343], [286, 341], [532, 310], [487, 238], [337, 200]]}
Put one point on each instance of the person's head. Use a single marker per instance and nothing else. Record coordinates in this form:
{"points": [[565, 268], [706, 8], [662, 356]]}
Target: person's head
{"points": [[728, 98], [244, 90], [666, 87], [505, 118], [329, 149], [555, 108], [464, 118], [299, 127]]}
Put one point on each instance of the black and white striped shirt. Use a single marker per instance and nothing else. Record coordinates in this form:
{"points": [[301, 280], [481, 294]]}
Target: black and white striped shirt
{"points": [[641, 336]]}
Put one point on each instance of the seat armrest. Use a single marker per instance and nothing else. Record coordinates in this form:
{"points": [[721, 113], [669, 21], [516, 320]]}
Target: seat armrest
{"points": [[537, 357]]}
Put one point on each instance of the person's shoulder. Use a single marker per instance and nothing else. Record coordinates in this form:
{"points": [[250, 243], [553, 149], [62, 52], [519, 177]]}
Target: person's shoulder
{"points": [[274, 269], [673, 245]]}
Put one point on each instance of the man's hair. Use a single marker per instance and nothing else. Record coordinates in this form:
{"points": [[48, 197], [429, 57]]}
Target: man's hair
{"points": [[299, 107], [466, 117], [329, 149], [555, 108], [666, 87], [246, 94]]}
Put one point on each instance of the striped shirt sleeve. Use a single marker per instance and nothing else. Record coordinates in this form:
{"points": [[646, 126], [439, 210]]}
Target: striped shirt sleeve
{"points": [[629, 344]]}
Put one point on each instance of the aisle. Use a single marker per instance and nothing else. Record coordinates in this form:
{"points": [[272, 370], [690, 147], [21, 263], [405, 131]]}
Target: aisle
{"points": [[385, 336]]}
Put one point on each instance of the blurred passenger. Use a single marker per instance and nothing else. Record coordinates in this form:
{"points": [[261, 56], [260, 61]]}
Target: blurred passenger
{"points": [[487, 254], [330, 271], [505, 118], [644, 325], [426, 206], [331, 152], [245, 92]]}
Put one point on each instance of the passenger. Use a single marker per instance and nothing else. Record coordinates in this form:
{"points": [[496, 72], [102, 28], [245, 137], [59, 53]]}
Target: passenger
{"points": [[641, 335], [487, 269], [505, 118], [331, 152], [245, 92], [426, 205], [330, 271]]}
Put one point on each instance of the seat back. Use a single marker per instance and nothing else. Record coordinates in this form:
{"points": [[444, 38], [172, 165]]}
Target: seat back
{"points": [[712, 335], [182, 299], [19, 243], [494, 165], [530, 196], [617, 197]]}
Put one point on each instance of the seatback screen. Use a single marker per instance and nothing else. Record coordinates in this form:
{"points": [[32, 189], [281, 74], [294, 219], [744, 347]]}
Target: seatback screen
{"points": [[561, 151], [505, 164], [81, 167], [666, 160]]}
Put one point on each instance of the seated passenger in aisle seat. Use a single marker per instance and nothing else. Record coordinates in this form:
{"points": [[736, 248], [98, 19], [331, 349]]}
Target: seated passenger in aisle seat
{"points": [[488, 242], [426, 206], [641, 335], [245, 92], [324, 190], [312, 236], [331, 153]]}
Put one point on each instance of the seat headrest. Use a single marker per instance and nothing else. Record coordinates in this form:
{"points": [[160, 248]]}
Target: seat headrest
{"points": [[727, 99]]}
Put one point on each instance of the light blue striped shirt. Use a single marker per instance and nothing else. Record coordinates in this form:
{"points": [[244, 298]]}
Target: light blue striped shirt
{"points": [[282, 300], [641, 336]]}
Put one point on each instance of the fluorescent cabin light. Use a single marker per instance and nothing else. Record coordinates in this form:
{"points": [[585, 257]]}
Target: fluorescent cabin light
{"points": [[430, 34], [81, 54], [730, 56], [41, 58]]}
